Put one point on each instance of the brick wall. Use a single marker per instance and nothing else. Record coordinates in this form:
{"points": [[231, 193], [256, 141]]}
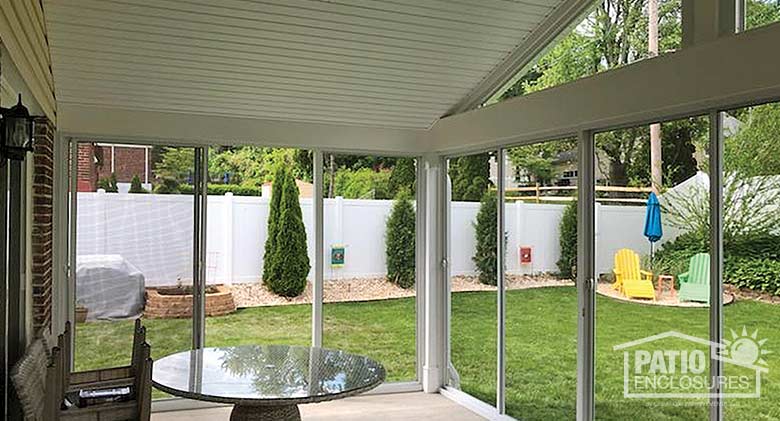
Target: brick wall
{"points": [[87, 171], [128, 162], [42, 240]]}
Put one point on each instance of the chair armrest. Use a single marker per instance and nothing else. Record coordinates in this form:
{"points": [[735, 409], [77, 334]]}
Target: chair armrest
{"points": [[683, 277], [648, 275]]}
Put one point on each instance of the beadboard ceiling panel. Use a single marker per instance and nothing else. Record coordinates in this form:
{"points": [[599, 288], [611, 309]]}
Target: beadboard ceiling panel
{"points": [[385, 63]]}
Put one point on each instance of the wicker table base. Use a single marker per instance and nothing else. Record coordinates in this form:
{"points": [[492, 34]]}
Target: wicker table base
{"points": [[265, 413]]}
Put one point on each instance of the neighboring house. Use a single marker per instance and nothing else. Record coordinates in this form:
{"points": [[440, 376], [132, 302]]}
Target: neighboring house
{"points": [[100, 160], [305, 189], [564, 171]]}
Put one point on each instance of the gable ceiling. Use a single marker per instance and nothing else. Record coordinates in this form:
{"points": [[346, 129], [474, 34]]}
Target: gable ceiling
{"points": [[385, 63]]}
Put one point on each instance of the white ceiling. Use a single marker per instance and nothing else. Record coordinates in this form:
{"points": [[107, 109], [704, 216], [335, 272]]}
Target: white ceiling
{"points": [[386, 63]]}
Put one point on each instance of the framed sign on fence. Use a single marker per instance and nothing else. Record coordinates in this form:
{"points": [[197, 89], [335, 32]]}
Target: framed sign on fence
{"points": [[337, 255]]}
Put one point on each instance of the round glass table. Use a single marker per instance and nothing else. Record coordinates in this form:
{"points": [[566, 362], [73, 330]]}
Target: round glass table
{"points": [[266, 382]]}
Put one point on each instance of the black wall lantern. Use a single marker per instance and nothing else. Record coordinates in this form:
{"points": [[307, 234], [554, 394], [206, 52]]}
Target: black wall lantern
{"points": [[16, 132]]}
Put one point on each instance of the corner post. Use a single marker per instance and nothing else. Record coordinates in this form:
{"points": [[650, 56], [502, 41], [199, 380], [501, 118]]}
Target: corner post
{"points": [[319, 238], [586, 282], [716, 261], [434, 360]]}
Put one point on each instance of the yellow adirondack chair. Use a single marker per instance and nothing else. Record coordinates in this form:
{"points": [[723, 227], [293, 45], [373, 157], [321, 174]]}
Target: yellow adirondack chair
{"points": [[630, 279]]}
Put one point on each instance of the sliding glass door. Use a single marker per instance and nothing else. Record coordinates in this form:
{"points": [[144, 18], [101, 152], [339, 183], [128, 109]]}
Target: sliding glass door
{"points": [[473, 268], [652, 249], [252, 191], [540, 233], [370, 260], [146, 213], [134, 250]]}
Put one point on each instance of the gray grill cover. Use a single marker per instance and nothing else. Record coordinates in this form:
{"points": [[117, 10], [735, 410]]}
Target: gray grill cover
{"points": [[109, 287]]}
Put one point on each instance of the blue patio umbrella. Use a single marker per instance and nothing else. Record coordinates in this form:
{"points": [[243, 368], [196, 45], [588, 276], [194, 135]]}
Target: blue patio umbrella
{"points": [[653, 228]]}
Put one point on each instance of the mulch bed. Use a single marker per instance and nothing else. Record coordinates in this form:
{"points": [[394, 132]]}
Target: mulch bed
{"points": [[368, 289], [605, 288]]}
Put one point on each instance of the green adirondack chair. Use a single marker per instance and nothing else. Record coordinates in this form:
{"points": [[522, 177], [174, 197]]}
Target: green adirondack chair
{"points": [[695, 284]]}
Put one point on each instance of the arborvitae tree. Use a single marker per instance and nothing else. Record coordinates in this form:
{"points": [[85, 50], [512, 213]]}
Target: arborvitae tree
{"points": [[400, 245], [470, 177], [290, 257], [270, 271], [568, 241], [135, 186], [403, 177], [485, 257]]}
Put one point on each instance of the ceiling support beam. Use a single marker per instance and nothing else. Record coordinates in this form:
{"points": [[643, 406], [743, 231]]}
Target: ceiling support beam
{"points": [[121, 125], [728, 72]]}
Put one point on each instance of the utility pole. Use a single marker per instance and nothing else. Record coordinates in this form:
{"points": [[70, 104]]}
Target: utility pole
{"points": [[656, 172]]}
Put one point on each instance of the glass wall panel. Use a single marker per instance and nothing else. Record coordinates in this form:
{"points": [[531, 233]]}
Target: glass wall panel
{"points": [[260, 246], [751, 241], [615, 33], [472, 250], [370, 259], [134, 251], [541, 300], [652, 242]]}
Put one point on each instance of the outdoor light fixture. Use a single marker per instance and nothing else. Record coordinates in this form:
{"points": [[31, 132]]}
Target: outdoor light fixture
{"points": [[16, 132]]}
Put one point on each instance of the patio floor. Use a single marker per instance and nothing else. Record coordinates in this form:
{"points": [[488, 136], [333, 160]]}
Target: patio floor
{"points": [[400, 406]]}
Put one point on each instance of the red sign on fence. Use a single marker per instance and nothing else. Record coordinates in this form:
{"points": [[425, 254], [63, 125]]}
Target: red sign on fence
{"points": [[525, 255]]}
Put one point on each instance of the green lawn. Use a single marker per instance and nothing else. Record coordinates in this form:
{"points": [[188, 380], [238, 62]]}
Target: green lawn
{"points": [[541, 346]]}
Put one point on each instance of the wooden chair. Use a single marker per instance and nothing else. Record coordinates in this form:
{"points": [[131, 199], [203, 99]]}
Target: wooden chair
{"points": [[137, 408], [695, 284], [106, 377], [630, 279], [29, 377]]}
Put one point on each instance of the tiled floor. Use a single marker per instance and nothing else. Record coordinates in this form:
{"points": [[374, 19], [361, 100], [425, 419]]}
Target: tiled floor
{"points": [[401, 406]]}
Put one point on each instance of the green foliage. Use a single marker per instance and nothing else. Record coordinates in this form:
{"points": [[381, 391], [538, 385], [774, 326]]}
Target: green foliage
{"points": [[674, 256], [362, 183], [290, 257], [400, 244], [567, 263], [752, 150], [761, 12], [537, 160], [254, 165], [756, 274], [402, 177], [486, 254], [751, 262], [175, 165], [135, 186], [613, 35], [678, 140], [470, 177], [108, 184], [171, 186], [221, 189], [271, 266]]}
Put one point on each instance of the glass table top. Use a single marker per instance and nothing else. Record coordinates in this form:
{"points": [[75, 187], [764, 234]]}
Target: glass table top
{"points": [[266, 374]]}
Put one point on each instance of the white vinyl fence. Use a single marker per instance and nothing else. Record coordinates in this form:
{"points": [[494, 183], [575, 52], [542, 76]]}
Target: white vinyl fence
{"points": [[154, 233]]}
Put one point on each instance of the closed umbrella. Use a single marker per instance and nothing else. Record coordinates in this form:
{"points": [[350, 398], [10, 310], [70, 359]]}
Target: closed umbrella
{"points": [[653, 229]]}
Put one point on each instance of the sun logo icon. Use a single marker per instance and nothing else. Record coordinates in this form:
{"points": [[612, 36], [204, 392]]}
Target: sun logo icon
{"points": [[745, 348]]}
